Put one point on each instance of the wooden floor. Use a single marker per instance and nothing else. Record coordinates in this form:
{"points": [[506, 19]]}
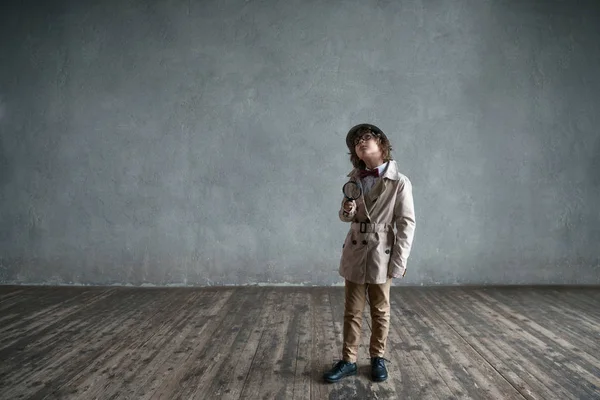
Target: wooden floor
{"points": [[275, 343]]}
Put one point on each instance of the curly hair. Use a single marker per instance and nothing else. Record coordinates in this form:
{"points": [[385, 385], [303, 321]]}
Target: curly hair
{"points": [[382, 141]]}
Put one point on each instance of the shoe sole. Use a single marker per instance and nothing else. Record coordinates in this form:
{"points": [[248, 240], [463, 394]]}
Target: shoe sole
{"points": [[379, 379], [337, 380]]}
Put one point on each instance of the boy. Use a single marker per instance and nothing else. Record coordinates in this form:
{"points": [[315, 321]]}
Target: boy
{"points": [[372, 253]]}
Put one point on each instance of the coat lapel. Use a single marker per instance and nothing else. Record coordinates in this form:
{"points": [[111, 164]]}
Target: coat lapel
{"points": [[376, 190], [373, 194], [370, 200]]}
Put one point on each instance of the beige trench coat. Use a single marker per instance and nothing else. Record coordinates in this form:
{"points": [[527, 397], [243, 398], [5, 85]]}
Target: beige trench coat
{"points": [[373, 250]]}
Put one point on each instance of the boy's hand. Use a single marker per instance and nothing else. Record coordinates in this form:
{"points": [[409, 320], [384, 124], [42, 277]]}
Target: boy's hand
{"points": [[349, 205]]}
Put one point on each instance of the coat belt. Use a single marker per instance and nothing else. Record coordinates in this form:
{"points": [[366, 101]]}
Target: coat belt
{"points": [[365, 227]]}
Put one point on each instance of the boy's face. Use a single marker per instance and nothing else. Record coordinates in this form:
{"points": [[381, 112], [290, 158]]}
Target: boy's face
{"points": [[367, 145]]}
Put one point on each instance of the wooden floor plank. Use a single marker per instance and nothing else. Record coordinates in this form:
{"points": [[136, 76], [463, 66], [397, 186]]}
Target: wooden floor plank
{"points": [[271, 373], [538, 311], [155, 349], [553, 349], [302, 367], [203, 350], [24, 302], [444, 381], [509, 365], [425, 381], [9, 298], [586, 300], [579, 317], [44, 314], [81, 338], [522, 350], [257, 342], [464, 370], [326, 349], [405, 374], [126, 352], [9, 291], [233, 371]]}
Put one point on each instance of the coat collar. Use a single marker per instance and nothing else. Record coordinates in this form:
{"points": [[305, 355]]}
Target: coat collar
{"points": [[391, 172]]}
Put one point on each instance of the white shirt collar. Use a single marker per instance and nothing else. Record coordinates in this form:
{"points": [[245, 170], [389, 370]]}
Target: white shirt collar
{"points": [[391, 172], [381, 168]]}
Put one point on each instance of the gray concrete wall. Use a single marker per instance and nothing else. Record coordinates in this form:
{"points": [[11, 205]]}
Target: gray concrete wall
{"points": [[202, 142]]}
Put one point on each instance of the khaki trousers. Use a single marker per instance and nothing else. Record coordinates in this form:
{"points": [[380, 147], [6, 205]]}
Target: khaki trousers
{"points": [[379, 299]]}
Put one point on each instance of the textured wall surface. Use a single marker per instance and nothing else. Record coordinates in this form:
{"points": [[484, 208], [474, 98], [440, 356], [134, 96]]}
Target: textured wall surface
{"points": [[202, 142]]}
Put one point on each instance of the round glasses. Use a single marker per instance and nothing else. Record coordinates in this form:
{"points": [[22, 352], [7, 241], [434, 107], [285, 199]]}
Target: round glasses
{"points": [[366, 137]]}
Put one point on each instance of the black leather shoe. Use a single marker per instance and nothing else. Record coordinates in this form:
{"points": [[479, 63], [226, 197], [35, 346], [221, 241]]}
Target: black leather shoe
{"points": [[340, 369], [378, 370]]}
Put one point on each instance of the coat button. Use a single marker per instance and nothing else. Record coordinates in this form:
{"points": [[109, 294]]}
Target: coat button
{"points": [[387, 251], [354, 242], [364, 242]]}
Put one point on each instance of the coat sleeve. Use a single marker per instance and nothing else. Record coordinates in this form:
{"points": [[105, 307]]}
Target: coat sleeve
{"points": [[404, 218], [346, 216]]}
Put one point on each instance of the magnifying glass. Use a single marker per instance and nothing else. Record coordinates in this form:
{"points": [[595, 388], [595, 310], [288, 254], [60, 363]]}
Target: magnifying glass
{"points": [[352, 190]]}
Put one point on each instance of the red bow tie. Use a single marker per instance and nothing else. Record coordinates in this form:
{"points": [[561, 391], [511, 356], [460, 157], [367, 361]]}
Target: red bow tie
{"points": [[374, 172]]}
